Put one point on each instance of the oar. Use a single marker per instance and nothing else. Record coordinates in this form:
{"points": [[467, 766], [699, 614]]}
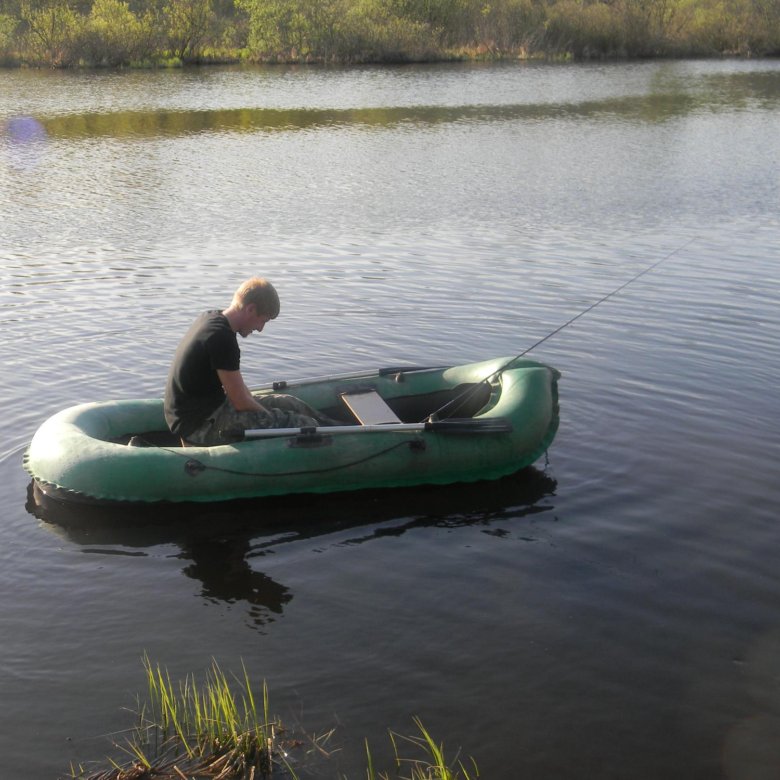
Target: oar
{"points": [[464, 425], [285, 384]]}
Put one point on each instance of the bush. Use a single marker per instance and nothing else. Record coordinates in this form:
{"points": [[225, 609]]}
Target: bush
{"points": [[370, 32], [54, 35], [276, 28], [188, 26], [509, 25], [736, 27], [584, 31], [8, 27], [113, 35]]}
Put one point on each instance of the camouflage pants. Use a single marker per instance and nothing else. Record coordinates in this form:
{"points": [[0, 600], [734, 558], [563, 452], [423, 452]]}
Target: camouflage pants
{"points": [[226, 424]]}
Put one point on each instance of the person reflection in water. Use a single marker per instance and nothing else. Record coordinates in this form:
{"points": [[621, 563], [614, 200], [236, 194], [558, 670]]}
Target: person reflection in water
{"points": [[223, 568], [207, 401]]}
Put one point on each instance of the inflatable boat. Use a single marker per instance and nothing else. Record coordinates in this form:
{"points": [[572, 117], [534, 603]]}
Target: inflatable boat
{"points": [[399, 426]]}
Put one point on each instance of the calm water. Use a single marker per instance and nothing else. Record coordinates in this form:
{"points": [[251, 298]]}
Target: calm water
{"points": [[613, 613]]}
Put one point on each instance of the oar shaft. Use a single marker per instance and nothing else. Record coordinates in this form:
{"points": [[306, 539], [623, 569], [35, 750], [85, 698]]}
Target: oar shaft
{"points": [[456, 426], [264, 433], [291, 384]]}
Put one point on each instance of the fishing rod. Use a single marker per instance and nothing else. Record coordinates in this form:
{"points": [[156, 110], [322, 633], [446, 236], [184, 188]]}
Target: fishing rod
{"points": [[457, 402]]}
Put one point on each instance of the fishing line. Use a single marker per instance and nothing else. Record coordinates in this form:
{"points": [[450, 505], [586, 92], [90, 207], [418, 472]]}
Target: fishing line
{"points": [[601, 300], [457, 402]]}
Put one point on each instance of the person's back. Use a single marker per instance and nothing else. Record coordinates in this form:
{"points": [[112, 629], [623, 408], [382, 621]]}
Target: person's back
{"points": [[206, 398], [193, 390]]}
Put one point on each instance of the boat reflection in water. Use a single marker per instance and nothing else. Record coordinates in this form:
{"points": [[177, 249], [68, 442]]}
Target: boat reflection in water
{"points": [[218, 542]]}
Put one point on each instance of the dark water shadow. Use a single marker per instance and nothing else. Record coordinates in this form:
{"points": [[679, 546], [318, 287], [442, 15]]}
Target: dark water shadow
{"points": [[217, 541]]}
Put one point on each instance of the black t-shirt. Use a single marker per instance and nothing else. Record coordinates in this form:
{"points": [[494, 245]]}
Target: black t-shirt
{"points": [[193, 390]]}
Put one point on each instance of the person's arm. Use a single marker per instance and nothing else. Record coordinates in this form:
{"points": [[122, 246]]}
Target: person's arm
{"points": [[237, 392]]}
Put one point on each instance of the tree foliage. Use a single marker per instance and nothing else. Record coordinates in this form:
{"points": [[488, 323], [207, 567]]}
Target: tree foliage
{"points": [[114, 35], [63, 33], [188, 25], [7, 29]]}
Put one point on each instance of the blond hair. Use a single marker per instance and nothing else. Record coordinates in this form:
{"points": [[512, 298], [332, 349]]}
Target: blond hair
{"points": [[259, 292]]}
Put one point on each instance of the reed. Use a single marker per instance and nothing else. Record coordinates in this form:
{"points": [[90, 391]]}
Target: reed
{"points": [[218, 730], [186, 730], [432, 764]]}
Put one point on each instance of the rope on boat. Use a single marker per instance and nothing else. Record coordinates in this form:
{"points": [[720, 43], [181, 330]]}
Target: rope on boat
{"points": [[194, 466]]}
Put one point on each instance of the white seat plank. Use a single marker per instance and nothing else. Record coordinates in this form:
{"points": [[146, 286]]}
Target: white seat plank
{"points": [[370, 408]]}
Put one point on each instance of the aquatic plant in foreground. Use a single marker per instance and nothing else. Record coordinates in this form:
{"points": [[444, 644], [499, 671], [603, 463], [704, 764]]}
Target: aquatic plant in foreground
{"points": [[191, 732], [206, 731], [433, 765]]}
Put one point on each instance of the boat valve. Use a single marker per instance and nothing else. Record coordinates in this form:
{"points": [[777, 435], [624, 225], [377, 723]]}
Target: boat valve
{"points": [[193, 467]]}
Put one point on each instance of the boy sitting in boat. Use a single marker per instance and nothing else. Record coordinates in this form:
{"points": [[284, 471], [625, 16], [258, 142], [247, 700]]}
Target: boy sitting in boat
{"points": [[206, 398]]}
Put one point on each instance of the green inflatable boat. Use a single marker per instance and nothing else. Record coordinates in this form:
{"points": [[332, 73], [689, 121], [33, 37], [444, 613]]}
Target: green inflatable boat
{"points": [[402, 426]]}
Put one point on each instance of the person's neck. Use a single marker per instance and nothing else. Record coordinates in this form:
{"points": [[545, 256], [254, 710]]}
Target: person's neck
{"points": [[234, 316]]}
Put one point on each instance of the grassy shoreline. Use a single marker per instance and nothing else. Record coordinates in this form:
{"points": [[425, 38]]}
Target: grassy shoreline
{"points": [[171, 33], [12, 63]]}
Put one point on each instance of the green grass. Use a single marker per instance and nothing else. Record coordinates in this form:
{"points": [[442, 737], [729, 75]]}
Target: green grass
{"points": [[212, 725], [429, 762], [218, 729]]}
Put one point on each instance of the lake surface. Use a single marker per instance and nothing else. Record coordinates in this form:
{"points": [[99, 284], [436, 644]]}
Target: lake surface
{"points": [[613, 612]]}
